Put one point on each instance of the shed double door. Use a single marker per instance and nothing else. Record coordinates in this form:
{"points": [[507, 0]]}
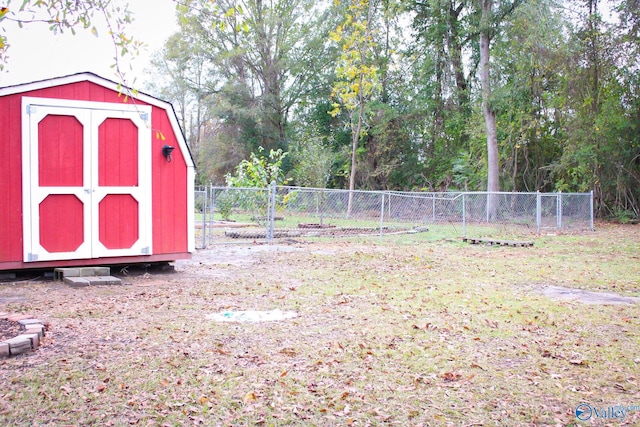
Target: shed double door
{"points": [[86, 179]]}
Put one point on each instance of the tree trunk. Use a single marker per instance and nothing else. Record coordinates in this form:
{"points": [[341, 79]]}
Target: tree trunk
{"points": [[355, 138], [355, 133], [489, 114], [455, 51]]}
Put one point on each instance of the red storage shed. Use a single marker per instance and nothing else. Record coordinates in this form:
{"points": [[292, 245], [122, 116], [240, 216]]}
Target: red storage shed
{"points": [[89, 176]]}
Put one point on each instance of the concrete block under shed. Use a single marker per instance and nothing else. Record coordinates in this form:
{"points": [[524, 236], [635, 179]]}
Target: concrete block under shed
{"points": [[62, 273], [104, 280], [76, 282], [79, 282]]}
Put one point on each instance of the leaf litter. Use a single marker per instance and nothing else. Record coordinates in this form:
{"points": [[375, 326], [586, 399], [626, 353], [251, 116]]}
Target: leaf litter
{"points": [[380, 339]]}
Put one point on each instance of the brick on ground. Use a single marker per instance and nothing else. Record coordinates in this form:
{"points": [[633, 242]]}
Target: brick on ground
{"points": [[33, 338], [25, 322], [17, 317], [35, 328], [18, 345]]}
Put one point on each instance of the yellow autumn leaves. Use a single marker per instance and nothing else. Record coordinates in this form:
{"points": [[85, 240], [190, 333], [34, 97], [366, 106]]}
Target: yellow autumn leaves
{"points": [[356, 77], [354, 86]]}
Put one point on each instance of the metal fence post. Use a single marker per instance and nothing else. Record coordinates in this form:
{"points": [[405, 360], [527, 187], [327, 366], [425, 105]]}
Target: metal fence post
{"points": [[271, 210], [205, 204], [559, 211], [464, 217], [267, 222], [212, 210], [322, 197], [267, 217], [487, 206], [539, 211], [381, 214], [274, 195], [591, 210], [433, 208]]}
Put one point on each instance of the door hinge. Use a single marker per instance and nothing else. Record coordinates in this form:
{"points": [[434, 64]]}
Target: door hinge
{"points": [[32, 257], [145, 250], [31, 109], [144, 116]]}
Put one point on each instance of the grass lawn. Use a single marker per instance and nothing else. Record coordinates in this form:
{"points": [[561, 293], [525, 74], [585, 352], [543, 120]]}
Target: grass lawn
{"points": [[406, 330]]}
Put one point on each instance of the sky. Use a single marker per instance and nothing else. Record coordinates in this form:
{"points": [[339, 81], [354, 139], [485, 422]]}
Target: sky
{"points": [[35, 53]]}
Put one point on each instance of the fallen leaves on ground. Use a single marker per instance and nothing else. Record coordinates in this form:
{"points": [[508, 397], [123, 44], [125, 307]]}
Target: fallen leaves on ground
{"points": [[380, 340]]}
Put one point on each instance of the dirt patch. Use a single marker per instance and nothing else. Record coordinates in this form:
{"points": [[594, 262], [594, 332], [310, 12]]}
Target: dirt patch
{"points": [[233, 255], [8, 329], [587, 297], [220, 261]]}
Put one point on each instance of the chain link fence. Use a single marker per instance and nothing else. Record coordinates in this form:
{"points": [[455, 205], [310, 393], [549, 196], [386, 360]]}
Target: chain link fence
{"points": [[228, 214]]}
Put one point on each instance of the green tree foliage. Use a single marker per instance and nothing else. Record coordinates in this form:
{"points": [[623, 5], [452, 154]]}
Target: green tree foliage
{"points": [[261, 60], [442, 83], [192, 87], [397, 88], [356, 75], [312, 157], [370, 94], [531, 55], [317, 130], [255, 47], [601, 150], [260, 170]]}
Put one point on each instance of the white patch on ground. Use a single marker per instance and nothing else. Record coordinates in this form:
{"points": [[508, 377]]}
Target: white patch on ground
{"points": [[588, 297], [252, 316]]}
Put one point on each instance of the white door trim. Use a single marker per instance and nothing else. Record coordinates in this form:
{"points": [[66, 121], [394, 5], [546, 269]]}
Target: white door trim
{"points": [[90, 114]]}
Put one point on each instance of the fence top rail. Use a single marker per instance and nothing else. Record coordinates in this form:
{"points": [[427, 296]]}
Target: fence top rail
{"points": [[238, 188], [482, 193], [435, 193], [454, 194]]}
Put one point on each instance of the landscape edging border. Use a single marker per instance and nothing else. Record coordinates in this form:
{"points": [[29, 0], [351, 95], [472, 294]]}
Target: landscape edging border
{"points": [[30, 338]]}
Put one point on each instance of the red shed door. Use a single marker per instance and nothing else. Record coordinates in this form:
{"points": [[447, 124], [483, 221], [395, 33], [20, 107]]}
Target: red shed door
{"points": [[87, 180]]}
